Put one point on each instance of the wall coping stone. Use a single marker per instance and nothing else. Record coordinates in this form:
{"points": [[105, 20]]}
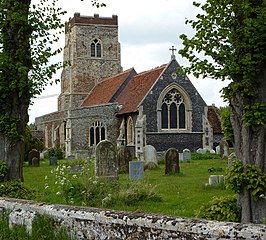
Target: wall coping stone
{"points": [[96, 223]]}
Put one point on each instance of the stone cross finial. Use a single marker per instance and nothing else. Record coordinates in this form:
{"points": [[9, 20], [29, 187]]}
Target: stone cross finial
{"points": [[173, 49]]}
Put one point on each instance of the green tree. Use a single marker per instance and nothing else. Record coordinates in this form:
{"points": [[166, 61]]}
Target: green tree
{"points": [[230, 43], [25, 50], [27, 33], [227, 128]]}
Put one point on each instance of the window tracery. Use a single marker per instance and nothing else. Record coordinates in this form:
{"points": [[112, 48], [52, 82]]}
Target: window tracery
{"points": [[173, 111]]}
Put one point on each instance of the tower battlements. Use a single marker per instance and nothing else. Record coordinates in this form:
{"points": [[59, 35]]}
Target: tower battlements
{"points": [[92, 20]]}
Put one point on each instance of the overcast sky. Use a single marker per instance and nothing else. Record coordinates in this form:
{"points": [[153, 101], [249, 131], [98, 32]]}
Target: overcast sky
{"points": [[147, 29]]}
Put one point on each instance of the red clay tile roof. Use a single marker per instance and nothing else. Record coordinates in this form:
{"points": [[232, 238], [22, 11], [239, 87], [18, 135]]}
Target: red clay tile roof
{"points": [[137, 88], [104, 91], [214, 119]]}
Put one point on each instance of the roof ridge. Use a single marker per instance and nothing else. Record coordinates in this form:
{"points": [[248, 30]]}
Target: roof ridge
{"points": [[153, 69]]}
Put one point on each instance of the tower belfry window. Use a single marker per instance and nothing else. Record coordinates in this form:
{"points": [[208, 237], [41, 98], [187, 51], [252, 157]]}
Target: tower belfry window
{"points": [[96, 49]]}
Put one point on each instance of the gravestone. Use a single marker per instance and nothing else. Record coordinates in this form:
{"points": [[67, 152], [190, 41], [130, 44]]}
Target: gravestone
{"points": [[71, 157], [150, 154], [41, 155], [136, 170], [212, 151], [35, 162], [217, 150], [186, 155], [224, 149], [216, 179], [53, 160], [181, 157], [200, 150], [33, 154], [106, 164], [123, 156], [205, 150], [172, 161]]}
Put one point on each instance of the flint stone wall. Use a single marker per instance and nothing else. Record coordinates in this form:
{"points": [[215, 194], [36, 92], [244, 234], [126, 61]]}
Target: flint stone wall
{"points": [[93, 223]]}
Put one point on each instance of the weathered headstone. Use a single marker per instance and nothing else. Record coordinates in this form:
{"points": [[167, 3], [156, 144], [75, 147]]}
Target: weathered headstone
{"points": [[172, 161], [123, 156], [33, 154], [216, 179], [186, 155], [106, 164], [224, 149], [136, 170], [150, 154]]}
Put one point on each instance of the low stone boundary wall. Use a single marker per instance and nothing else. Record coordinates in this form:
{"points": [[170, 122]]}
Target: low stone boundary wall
{"points": [[94, 223]]}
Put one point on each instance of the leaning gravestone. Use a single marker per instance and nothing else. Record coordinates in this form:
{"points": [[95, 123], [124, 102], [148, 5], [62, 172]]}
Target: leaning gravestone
{"points": [[186, 155], [172, 161], [123, 156], [136, 170], [106, 164], [34, 154], [150, 154]]}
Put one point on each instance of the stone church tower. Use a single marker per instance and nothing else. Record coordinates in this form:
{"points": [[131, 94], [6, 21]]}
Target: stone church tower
{"points": [[92, 51]]}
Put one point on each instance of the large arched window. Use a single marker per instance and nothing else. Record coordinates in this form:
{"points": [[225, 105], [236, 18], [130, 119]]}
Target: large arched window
{"points": [[97, 133], [96, 49], [173, 111]]}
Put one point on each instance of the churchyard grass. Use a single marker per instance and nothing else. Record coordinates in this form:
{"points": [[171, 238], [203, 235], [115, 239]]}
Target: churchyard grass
{"points": [[179, 195]]}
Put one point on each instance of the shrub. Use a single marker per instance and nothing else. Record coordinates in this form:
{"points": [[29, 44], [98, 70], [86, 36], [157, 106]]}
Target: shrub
{"points": [[56, 152], [3, 169], [221, 209], [66, 184], [16, 189], [253, 179]]}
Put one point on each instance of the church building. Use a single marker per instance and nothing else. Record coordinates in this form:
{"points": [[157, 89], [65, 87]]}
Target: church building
{"points": [[99, 100]]}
